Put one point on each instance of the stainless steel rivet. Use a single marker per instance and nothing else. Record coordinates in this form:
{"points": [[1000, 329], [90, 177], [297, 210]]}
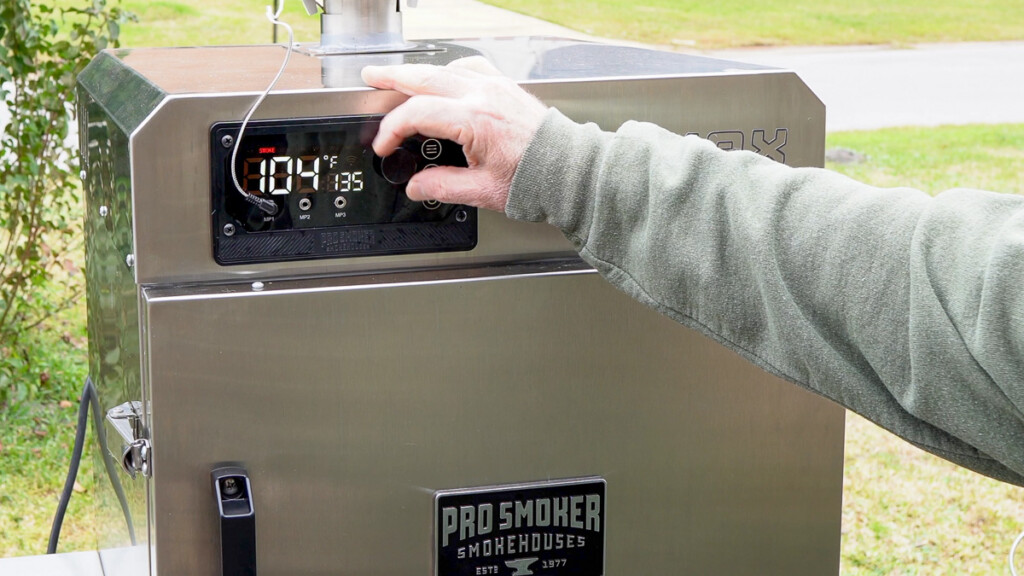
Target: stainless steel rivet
{"points": [[227, 141], [257, 286], [130, 260], [104, 211]]}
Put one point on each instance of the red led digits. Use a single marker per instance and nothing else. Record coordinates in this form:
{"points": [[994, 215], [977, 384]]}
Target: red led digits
{"points": [[306, 166]]}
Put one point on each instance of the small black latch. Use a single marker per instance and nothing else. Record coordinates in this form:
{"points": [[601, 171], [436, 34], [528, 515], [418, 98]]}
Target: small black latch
{"points": [[237, 521]]}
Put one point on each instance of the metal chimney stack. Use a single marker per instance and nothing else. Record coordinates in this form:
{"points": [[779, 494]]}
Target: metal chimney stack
{"points": [[360, 26]]}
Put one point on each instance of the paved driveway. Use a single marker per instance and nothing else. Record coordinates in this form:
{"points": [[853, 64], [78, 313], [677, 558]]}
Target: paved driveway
{"points": [[862, 87], [925, 85]]}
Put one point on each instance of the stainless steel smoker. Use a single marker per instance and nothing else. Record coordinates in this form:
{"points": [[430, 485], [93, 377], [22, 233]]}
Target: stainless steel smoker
{"points": [[308, 373]]}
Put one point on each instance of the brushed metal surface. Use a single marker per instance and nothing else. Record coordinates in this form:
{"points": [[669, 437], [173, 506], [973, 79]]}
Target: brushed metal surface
{"points": [[200, 70], [127, 561], [354, 25], [350, 406], [63, 564]]}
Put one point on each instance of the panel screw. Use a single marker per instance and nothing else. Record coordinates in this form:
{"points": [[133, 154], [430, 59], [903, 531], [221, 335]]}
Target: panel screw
{"points": [[461, 216], [227, 141], [257, 286], [130, 260], [104, 211], [230, 487], [229, 229]]}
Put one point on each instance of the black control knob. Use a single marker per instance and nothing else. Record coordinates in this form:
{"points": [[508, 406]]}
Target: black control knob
{"points": [[398, 167]]}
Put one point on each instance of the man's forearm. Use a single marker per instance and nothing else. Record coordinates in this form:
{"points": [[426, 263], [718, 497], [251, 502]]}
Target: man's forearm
{"points": [[889, 302]]}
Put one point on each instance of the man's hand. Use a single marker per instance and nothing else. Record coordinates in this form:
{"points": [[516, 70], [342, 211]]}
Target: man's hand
{"points": [[471, 103]]}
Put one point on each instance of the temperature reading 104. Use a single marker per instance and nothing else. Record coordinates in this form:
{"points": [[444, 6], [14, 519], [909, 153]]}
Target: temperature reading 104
{"points": [[278, 175]]}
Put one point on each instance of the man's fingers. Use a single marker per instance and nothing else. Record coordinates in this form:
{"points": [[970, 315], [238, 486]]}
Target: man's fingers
{"points": [[463, 102], [443, 183], [426, 115], [416, 79], [477, 64], [453, 185]]}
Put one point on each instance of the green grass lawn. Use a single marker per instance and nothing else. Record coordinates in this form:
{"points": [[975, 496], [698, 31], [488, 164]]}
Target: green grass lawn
{"points": [[907, 512], [988, 157], [193, 23], [728, 23], [685, 23], [36, 436]]}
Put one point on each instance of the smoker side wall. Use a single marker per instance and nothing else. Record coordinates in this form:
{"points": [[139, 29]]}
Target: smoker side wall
{"points": [[113, 312]]}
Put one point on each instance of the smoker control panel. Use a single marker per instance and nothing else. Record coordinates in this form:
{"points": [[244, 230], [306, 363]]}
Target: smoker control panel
{"points": [[313, 188]]}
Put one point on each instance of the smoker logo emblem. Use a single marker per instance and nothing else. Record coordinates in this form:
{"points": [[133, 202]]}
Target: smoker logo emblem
{"points": [[761, 141], [521, 566], [546, 528]]}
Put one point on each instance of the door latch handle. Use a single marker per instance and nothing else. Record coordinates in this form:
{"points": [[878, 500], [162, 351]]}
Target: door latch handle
{"points": [[237, 521]]}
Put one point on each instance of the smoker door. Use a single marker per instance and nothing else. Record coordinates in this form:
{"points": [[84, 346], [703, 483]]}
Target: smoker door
{"points": [[351, 401]]}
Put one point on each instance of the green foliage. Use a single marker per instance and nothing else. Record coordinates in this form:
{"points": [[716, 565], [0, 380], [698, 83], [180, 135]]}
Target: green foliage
{"points": [[42, 50], [198, 23]]}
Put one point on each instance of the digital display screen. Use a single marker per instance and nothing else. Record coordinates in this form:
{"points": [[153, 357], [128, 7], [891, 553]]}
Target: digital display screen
{"points": [[275, 174], [304, 163], [328, 191], [317, 177]]}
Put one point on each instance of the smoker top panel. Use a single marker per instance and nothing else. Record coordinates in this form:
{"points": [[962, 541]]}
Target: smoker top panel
{"points": [[160, 104], [220, 69]]}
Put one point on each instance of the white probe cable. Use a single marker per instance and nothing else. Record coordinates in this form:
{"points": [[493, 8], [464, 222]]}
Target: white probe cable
{"points": [[265, 204], [1013, 552]]}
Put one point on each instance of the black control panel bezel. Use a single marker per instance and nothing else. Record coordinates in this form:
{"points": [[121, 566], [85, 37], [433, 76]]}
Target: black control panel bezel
{"points": [[410, 227]]}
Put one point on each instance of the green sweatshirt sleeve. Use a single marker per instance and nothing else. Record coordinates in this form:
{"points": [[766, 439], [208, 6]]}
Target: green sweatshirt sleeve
{"points": [[905, 308]]}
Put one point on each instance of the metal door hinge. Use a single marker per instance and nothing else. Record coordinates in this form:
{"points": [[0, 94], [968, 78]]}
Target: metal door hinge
{"points": [[136, 450]]}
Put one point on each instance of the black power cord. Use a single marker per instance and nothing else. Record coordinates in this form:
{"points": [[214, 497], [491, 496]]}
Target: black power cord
{"points": [[89, 398]]}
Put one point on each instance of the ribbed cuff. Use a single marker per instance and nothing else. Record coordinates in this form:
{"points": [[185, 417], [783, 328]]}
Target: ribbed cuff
{"points": [[555, 181]]}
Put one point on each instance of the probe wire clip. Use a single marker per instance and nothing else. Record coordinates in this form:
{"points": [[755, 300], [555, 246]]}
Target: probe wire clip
{"points": [[263, 203]]}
